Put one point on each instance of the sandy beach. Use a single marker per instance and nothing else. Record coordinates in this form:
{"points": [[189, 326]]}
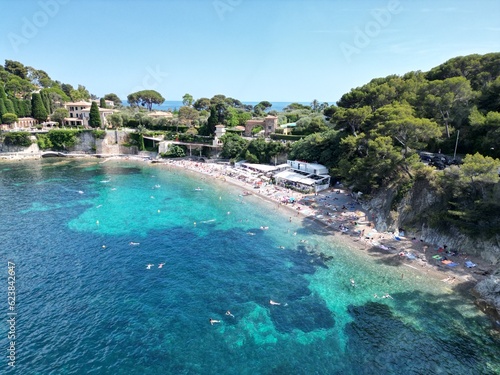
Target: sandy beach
{"points": [[338, 212]]}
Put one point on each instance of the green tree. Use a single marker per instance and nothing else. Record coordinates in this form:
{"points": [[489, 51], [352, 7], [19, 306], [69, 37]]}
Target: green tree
{"points": [[2, 93], [187, 115], [10, 106], [399, 122], [187, 100], [233, 145], [116, 100], [79, 94], [9, 118], [209, 128], [202, 104], [59, 115], [116, 120], [448, 100], [102, 103], [354, 118], [38, 110], [22, 139], [145, 98], [94, 116], [16, 68], [46, 101], [3, 108], [67, 89]]}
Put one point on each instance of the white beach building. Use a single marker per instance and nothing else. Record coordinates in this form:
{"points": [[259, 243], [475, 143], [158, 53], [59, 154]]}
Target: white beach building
{"points": [[307, 177]]}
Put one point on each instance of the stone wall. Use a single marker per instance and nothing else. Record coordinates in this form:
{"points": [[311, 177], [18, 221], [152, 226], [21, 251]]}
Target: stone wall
{"points": [[113, 144], [32, 150]]}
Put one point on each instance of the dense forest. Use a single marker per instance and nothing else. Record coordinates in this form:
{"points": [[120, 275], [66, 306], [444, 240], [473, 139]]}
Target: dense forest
{"points": [[371, 140], [379, 129]]}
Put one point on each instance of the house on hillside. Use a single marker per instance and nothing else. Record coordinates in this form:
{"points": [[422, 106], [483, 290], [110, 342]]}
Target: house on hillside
{"points": [[161, 114], [79, 114], [268, 124]]}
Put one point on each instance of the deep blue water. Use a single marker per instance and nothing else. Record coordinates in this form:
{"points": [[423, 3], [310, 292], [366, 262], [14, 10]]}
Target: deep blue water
{"points": [[86, 304]]}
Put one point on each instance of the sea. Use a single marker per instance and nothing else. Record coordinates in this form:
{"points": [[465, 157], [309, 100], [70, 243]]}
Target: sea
{"points": [[117, 267], [172, 105]]}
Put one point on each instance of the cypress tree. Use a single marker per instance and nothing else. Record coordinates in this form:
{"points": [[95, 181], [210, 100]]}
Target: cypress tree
{"points": [[95, 117], [3, 109], [102, 103], [9, 105], [26, 108], [212, 121], [38, 110], [46, 101], [2, 93], [17, 108]]}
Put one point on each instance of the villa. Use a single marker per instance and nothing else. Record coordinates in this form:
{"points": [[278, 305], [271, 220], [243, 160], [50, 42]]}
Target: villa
{"points": [[268, 124], [160, 114], [79, 114]]}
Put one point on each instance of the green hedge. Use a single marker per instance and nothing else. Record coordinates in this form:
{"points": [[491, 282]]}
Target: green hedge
{"points": [[287, 137], [59, 139], [21, 139]]}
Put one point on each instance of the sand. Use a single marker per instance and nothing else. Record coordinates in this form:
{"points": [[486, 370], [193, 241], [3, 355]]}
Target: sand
{"points": [[338, 212]]}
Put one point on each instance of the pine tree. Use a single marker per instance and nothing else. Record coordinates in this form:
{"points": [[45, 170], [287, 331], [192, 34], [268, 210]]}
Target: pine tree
{"points": [[38, 110], [102, 103], [95, 117]]}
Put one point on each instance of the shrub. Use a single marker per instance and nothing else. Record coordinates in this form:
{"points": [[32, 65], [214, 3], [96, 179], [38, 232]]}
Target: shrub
{"points": [[99, 134], [21, 139]]}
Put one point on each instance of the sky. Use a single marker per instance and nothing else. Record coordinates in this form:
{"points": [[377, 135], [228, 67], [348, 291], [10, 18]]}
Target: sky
{"points": [[251, 50]]}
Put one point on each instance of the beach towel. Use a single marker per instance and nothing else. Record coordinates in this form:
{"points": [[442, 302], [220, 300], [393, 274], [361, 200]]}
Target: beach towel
{"points": [[438, 257], [397, 238], [410, 256], [469, 264], [446, 261], [452, 264]]}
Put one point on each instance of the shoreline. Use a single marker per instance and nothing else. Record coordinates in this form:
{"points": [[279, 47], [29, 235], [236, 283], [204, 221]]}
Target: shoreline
{"points": [[360, 236], [337, 212]]}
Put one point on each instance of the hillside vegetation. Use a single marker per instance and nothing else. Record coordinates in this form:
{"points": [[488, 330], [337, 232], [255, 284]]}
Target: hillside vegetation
{"points": [[378, 129]]}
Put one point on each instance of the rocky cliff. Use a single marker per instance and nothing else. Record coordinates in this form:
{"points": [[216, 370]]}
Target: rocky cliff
{"points": [[412, 213]]}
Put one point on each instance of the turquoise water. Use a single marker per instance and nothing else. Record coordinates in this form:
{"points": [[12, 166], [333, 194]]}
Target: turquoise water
{"points": [[87, 304]]}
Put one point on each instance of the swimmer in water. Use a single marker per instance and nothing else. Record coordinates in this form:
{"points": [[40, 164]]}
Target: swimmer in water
{"points": [[353, 283], [228, 313], [161, 265], [134, 243], [212, 321], [148, 266], [274, 303]]}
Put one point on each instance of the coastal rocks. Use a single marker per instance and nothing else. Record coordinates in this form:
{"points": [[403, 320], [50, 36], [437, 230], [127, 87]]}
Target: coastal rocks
{"points": [[487, 293]]}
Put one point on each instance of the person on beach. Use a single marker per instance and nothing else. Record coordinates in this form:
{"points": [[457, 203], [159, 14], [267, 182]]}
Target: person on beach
{"points": [[212, 321]]}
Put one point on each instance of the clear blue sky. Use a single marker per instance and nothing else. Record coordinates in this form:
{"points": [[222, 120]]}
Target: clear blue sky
{"points": [[252, 50]]}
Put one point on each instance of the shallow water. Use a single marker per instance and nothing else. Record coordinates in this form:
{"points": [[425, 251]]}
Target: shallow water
{"points": [[86, 303]]}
